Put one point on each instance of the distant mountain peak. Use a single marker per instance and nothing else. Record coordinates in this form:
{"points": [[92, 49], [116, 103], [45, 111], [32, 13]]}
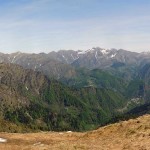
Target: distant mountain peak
{"points": [[95, 49]]}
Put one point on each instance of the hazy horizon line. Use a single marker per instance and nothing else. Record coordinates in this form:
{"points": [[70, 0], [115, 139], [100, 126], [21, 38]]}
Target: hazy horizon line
{"points": [[68, 49]]}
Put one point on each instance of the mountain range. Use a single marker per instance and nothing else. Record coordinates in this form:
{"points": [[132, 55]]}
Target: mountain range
{"points": [[64, 62], [95, 57], [71, 90], [78, 68]]}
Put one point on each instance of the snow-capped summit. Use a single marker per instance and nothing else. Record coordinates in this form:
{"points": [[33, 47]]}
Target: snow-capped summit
{"points": [[93, 50], [95, 57]]}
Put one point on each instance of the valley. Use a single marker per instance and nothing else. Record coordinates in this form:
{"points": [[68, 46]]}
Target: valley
{"points": [[30, 100], [34, 98]]}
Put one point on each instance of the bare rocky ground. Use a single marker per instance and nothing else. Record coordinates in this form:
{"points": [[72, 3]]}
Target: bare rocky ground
{"points": [[133, 134]]}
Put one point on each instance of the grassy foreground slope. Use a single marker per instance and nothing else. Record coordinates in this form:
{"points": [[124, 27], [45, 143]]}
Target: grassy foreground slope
{"points": [[126, 135]]}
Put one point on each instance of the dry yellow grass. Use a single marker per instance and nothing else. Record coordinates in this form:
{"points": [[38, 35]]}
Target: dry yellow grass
{"points": [[127, 135]]}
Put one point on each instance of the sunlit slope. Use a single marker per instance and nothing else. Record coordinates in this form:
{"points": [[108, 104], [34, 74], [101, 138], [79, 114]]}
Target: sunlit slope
{"points": [[127, 135]]}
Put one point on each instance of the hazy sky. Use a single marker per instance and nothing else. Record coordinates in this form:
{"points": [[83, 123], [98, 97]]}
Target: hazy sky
{"points": [[46, 25]]}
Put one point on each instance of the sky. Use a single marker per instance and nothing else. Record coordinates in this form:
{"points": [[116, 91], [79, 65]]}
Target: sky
{"points": [[50, 25]]}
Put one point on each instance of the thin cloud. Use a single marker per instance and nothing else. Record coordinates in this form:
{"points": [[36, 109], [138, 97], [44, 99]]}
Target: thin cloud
{"points": [[52, 25]]}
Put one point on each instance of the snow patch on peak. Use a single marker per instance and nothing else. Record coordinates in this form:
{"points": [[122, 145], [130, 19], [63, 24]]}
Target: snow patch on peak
{"points": [[113, 55], [75, 57], [96, 56], [14, 58], [81, 52], [72, 57], [94, 50], [105, 51], [65, 58], [90, 50]]}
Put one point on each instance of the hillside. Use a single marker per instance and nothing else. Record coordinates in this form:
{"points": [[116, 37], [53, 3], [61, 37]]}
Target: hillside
{"points": [[127, 135], [31, 100]]}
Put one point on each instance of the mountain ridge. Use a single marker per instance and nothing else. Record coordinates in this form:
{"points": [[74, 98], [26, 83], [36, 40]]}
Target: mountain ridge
{"points": [[63, 63]]}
